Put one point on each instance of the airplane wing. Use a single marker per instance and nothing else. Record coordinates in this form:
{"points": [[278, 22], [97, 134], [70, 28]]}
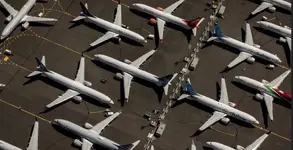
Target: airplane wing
{"points": [[248, 35], [34, 139], [213, 119], [86, 145], [277, 82], [269, 104], [36, 19], [81, 71], [261, 7], [127, 78], [98, 128], [10, 9], [172, 7], [288, 39], [66, 96], [136, 63], [257, 142], [104, 38], [240, 58], [118, 16], [224, 94], [161, 26]]}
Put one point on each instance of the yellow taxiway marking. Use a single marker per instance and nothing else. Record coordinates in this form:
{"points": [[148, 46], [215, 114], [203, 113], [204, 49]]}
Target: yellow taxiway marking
{"points": [[6, 58], [230, 134], [97, 112], [60, 45], [121, 3], [282, 137], [25, 111]]}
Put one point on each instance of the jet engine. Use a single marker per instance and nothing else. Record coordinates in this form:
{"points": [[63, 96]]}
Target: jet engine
{"points": [[117, 39], [124, 26], [9, 18], [272, 9], [127, 61], [264, 81], [25, 25], [77, 99], [282, 40], [231, 104], [250, 59], [160, 8], [238, 147], [256, 45], [225, 120], [153, 21], [88, 126], [87, 83], [77, 143], [259, 96], [118, 76]]}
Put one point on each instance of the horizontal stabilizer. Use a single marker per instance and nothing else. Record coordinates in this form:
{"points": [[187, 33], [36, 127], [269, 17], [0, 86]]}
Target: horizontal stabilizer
{"points": [[34, 73], [78, 18], [212, 38], [128, 146], [183, 96], [167, 81]]}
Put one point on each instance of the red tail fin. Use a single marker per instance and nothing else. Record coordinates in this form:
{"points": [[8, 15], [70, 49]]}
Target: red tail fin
{"points": [[194, 22]]}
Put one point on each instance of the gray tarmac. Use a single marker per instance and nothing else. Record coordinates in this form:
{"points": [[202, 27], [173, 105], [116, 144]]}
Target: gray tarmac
{"points": [[63, 44]]}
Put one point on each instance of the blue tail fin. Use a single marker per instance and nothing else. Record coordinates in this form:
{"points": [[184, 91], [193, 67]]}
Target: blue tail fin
{"points": [[218, 32], [188, 88]]}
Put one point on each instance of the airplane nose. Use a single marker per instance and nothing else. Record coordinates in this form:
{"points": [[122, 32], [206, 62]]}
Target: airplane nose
{"points": [[237, 78], [256, 122], [55, 122], [209, 143], [258, 22], [111, 102]]}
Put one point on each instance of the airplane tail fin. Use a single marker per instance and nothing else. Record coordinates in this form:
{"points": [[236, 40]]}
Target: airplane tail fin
{"points": [[40, 68], [85, 12], [217, 33], [128, 146], [186, 91], [167, 81], [194, 24]]}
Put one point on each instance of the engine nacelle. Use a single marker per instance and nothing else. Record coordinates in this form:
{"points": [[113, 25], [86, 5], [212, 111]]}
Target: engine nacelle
{"points": [[282, 40], [117, 39], [231, 104], [87, 83], [256, 45], [127, 61], [153, 21], [250, 59], [25, 25], [118, 76], [9, 18], [77, 143], [272, 9], [225, 120], [160, 8], [88, 126], [259, 96], [238, 147], [264, 81], [77, 99]]}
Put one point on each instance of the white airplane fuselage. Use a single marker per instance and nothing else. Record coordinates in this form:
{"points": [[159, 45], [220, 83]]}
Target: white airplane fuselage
{"points": [[226, 109], [262, 87], [87, 134], [115, 28], [7, 146], [79, 87], [17, 19], [162, 15], [129, 69], [280, 3], [275, 28], [219, 146], [251, 49]]}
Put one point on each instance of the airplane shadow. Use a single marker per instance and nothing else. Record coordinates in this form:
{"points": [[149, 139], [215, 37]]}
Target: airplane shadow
{"points": [[158, 90], [207, 148]]}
